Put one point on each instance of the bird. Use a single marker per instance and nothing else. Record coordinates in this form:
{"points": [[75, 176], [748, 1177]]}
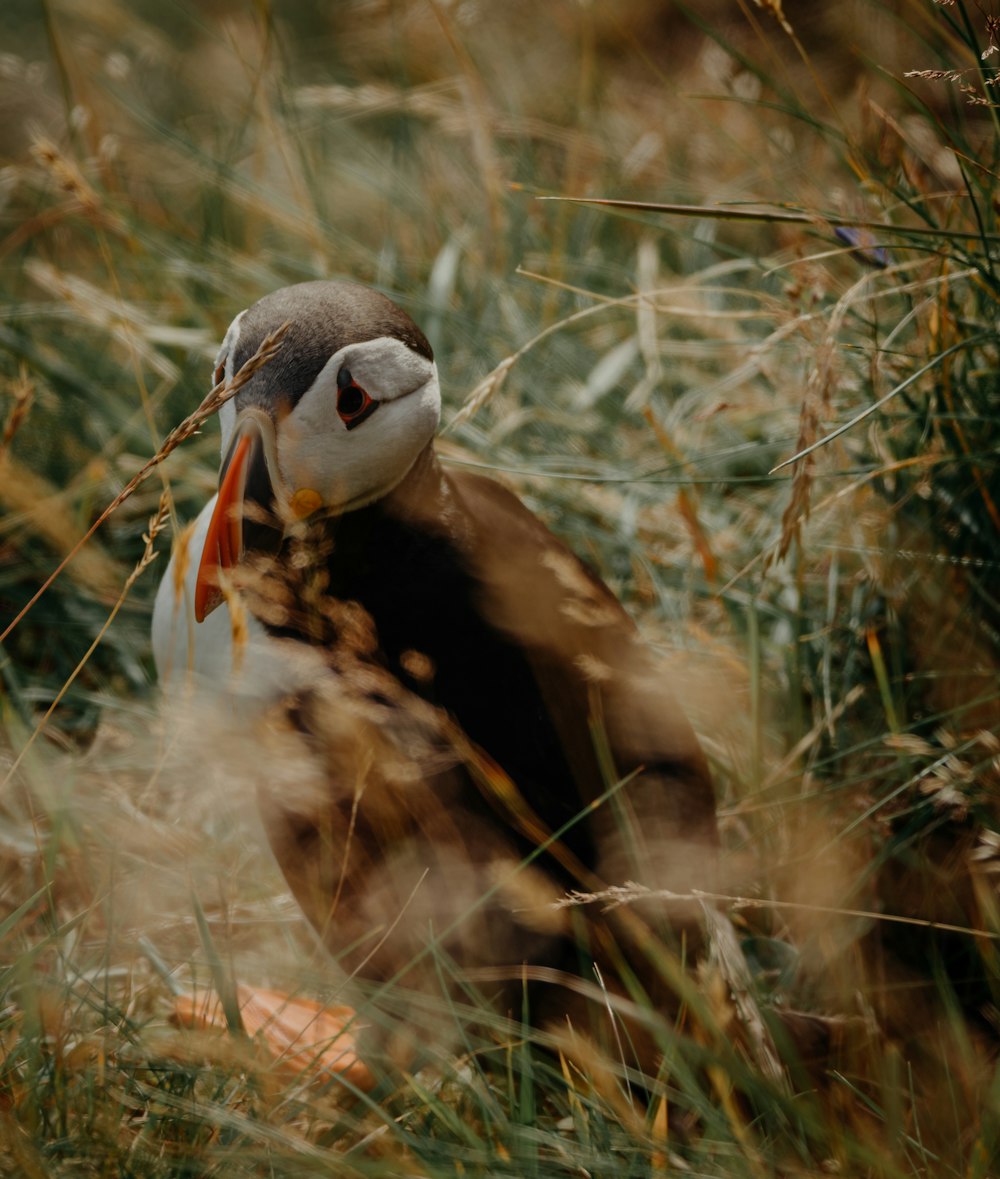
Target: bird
{"points": [[490, 735]]}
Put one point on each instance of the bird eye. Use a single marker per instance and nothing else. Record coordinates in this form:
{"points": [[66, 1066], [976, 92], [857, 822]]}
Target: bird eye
{"points": [[353, 403], [350, 401]]}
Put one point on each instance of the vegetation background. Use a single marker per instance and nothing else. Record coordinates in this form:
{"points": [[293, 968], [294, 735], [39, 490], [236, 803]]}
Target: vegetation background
{"points": [[637, 375]]}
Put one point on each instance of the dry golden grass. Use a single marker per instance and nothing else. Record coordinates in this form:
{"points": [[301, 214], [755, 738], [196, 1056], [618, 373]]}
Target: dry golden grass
{"points": [[636, 375]]}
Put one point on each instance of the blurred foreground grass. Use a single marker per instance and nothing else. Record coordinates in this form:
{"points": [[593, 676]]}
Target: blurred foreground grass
{"points": [[834, 625]]}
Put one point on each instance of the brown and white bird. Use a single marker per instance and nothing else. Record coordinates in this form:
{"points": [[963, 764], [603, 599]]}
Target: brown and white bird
{"points": [[489, 731]]}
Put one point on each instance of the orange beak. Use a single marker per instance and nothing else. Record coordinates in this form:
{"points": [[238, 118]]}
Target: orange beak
{"points": [[224, 543]]}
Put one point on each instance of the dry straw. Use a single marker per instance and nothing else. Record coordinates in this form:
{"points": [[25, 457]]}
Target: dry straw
{"points": [[213, 402]]}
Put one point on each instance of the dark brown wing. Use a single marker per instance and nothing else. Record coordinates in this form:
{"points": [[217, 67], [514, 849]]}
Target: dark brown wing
{"points": [[605, 693]]}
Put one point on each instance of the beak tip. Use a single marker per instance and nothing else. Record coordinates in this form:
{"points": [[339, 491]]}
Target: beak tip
{"points": [[206, 598]]}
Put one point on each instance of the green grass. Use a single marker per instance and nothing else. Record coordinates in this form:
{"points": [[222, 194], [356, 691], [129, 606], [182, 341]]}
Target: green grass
{"points": [[835, 624]]}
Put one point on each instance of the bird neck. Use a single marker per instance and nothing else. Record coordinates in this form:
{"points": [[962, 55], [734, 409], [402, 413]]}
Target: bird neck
{"points": [[423, 481], [419, 535], [425, 498]]}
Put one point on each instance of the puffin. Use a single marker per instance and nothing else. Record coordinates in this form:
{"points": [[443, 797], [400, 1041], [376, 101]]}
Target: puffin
{"points": [[490, 742]]}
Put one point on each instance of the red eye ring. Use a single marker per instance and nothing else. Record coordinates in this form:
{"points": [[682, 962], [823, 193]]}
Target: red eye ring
{"points": [[353, 403]]}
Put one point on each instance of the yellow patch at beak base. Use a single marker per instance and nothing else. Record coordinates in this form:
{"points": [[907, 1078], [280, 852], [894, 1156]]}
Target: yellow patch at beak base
{"points": [[304, 502]]}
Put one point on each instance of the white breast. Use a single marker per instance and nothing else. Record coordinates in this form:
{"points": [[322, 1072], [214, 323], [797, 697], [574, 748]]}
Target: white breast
{"points": [[203, 656]]}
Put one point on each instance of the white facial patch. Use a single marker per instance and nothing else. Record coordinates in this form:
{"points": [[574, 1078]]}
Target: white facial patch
{"points": [[348, 469]]}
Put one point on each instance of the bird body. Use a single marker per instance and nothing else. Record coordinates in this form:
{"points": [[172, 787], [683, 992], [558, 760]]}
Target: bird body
{"points": [[490, 731]]}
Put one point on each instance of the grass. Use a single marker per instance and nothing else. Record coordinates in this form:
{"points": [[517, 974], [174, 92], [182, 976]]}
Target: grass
{"points": [[640, 375]]}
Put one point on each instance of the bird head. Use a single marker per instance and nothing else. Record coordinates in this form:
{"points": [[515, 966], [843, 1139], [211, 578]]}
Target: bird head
{"points": [[333, 422]]}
